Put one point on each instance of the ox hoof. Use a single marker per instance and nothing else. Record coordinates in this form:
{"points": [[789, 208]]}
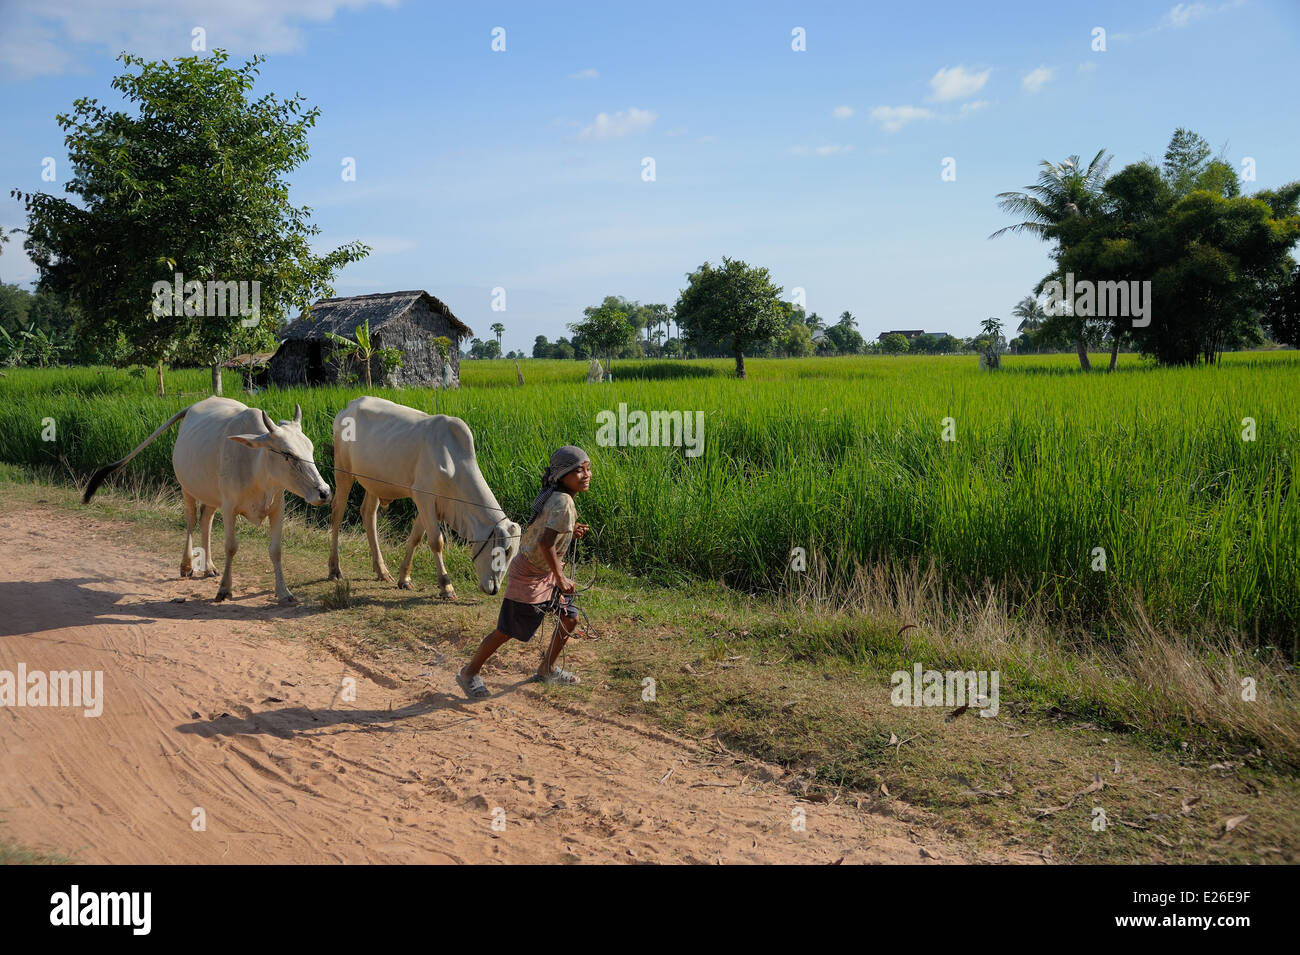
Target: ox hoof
{"points": [[404, 584], [212, 572], [335, 574], [288, 600], [224, 595], [187, 571], [384, 575], [449, 593]]}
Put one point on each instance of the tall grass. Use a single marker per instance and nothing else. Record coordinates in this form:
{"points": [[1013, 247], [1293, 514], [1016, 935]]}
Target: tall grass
{"points": [[844, 457]]}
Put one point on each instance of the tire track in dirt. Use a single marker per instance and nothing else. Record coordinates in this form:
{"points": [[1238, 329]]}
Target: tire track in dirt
{"points": [[204, 708]]}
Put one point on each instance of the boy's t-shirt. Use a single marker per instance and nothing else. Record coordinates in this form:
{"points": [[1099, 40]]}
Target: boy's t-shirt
{"points": [[531, 579]]}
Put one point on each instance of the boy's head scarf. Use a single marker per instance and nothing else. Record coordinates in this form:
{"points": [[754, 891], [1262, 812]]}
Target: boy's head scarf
{"points": [[568, 458]]}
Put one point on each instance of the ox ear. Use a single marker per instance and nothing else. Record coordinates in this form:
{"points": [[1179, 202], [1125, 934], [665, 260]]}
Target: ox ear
{"points": [[271, 426], [297, 415], [249, 440]]}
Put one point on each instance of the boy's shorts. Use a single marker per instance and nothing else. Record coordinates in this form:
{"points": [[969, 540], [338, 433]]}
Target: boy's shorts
{"points": [[520, 620]]}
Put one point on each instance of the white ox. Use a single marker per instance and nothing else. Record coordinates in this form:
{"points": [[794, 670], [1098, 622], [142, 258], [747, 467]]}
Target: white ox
{"points": [[394, 451], [235, 458]]}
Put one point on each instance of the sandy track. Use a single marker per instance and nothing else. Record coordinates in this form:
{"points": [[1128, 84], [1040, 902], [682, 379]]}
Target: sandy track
{"points": [[205, 709]]}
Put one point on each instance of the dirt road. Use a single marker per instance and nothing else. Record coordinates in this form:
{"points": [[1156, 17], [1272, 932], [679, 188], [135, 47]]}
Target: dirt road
{"points": [[220, 742]]}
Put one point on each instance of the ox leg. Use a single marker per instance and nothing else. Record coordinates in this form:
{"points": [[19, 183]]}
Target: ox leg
{"points": [[427, 522], [206, 513], [277, 530], [187, 565], [369, 514], [340, 508], [228, 517], [412, 542], [436, 542]]}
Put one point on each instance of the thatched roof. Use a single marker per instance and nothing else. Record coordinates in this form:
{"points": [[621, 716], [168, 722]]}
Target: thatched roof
{"points": [[343, 316], [250, 361]]}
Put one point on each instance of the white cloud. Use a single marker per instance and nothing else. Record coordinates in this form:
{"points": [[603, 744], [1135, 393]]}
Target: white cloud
{"points": [[45, 39], [1035, 80], [956, 83], [830, 149], [842, 112], [894, 118], [1182, 14], [611, 126], [587, 74], [973, 107]]}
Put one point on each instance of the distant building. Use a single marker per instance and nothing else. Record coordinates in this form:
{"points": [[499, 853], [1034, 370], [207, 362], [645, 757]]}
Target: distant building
{"points": [[908, 333], [407, 321]]}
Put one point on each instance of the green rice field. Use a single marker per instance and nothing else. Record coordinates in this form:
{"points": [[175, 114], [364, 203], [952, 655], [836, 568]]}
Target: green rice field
{"points": [[846, 458]]}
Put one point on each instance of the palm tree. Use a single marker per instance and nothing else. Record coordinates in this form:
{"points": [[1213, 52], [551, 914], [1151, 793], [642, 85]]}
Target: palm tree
{"points": [[1064, 190], [498, 329], [847, 320]]}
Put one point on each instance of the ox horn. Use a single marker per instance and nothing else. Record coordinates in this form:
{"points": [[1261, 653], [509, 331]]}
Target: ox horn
{"points": [[297, 414], [271, 426]]}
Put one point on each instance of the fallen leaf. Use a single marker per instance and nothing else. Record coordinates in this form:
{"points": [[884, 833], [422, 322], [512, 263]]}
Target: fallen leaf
{"points": [[663, 779], [1116, 769], [884, 789], [1188, 803], [893, 740], [956, 713], [1233, 822]]}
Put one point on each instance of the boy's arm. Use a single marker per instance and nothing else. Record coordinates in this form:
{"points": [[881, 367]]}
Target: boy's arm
{"points": [[547, 546]]}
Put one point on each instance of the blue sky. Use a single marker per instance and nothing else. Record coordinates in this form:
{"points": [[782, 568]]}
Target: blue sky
{"points": [[523, 169]]}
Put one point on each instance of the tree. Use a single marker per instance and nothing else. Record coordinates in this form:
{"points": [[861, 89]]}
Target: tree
{"points": [[1064, 191], [194, 183], [1282, 317], [498, 329], [1030, 313], [992, 344], [894, 344], [925, 344], [798, 341], [363, 351], [604, 332], [1213, 257], [846, 339], [736, 303]]}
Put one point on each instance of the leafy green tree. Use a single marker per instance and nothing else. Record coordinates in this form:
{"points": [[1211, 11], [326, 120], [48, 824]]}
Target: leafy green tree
{"points": [[194, 182], [1065, 192], [798, 341], [736, 303], [1282, 316], [363, 350], [605, 332], [1214, 258], [498, 330], [925, 344], [894, 344], [846, 339]]}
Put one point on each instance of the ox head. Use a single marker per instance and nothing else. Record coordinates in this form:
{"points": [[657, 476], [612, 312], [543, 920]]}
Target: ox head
{"points": [[289, 457], [493, 554]]}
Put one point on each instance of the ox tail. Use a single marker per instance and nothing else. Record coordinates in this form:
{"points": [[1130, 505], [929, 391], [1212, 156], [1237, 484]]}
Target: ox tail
{"points": [[98, 477]]}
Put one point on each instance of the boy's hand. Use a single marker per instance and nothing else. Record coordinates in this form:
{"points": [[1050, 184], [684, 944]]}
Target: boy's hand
{"points": [[579, 530], [567, 585]]}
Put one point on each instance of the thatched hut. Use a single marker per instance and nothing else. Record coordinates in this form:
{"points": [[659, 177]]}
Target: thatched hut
{"points": [[407, 321]]}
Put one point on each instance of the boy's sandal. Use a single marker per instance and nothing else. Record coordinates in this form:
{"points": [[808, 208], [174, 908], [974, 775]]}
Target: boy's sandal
{"points": [[559, 676], [473, 687]]}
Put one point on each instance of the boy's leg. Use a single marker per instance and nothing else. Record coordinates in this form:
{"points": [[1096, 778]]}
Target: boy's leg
{"points": [[561, 637], [490, 645]]}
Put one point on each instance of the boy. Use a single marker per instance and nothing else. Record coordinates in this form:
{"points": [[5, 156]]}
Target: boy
{"points": [[538, 570]]}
